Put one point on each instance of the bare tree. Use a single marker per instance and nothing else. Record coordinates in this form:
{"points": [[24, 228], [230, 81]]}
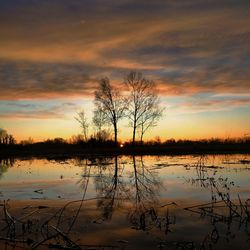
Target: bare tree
{"points": [[11, 140], [82, 119], [143, 103], [3, 134], [99, 119], [110, 104], [6, 138], [76, 139], [150, 117]]}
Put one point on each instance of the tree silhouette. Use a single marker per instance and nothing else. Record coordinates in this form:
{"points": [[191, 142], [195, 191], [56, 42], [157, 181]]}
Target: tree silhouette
{"points": [[3, 134], [98, 120], [82, 119], [110, 104], [150, 117], [6, 138], [143, 109]]}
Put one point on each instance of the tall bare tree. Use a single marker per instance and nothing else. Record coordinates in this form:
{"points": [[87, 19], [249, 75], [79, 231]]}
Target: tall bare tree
{"points": [[82, 119], [110, 104], [143, 104], [150, 117], [99, 119]]}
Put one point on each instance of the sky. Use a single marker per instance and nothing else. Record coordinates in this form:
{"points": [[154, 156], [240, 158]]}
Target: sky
{"points": [[53, 53]]}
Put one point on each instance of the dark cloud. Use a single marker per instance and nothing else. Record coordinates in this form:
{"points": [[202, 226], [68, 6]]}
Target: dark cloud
{"points": [[211, 103], [37, 111], [22, 80], [61, 48], [20, 105]]}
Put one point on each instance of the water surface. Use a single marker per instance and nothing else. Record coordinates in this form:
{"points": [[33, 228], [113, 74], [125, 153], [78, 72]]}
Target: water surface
{"points": [[149, 202]]}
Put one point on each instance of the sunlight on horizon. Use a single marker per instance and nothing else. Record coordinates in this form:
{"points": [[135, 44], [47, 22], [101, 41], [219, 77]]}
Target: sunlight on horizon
{"points": [[52, 55]]}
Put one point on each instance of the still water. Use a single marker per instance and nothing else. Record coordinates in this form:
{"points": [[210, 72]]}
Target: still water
{"points": [[125, 202]]}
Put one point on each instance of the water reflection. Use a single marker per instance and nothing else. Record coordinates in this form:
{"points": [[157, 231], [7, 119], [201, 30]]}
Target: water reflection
{"points": [[5, 164], [112, 188], [137, 191], [222, 209], [136, 188], [144, 192], [187, 202]]}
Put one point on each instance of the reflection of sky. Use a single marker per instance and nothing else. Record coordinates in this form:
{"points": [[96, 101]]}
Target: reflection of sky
{"points": [[196, 51], [21, 180], [61, 181]]}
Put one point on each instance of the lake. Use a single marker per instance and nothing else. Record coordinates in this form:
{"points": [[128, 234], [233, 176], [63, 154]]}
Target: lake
{"points": [[126, 202]]}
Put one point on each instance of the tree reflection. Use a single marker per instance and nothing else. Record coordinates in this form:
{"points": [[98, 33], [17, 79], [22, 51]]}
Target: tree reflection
{"points": [[5, 164], [112, 188], [134, 189], [144, 189]]}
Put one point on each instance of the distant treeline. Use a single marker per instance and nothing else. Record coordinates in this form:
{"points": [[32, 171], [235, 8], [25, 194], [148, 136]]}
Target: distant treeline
{"points": [[59, 146], [157, 141]]}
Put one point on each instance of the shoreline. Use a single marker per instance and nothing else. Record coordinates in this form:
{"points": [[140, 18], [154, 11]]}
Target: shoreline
{"points": [[71, 151]]}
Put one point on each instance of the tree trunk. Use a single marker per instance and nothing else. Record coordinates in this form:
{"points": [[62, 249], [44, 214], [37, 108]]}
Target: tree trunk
{"points": [[141, 138], [134, 129], [85, 135], [142, 133], [115, 132]]}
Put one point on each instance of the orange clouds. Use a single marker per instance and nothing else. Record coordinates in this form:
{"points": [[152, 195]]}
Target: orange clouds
{"points": [[194, 50], [186, 45]]}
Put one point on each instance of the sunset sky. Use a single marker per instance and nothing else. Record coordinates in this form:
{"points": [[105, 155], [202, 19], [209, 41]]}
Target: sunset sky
{"points": [[53, 53]]}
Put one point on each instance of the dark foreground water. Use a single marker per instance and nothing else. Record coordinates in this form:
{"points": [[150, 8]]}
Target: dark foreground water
{"points": [[149, 202]]}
